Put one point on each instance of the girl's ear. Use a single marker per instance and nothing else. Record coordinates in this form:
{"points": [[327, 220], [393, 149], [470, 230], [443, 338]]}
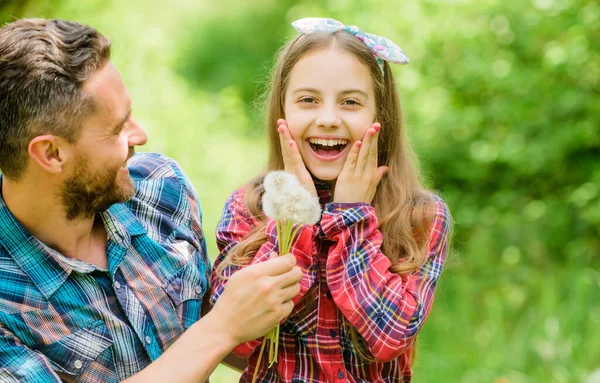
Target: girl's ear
{"points": [[49, 152]]}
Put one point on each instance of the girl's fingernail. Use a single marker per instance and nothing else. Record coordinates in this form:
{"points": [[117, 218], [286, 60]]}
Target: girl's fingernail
{"points": [[280, 122], [377, 127], [358, 144]]}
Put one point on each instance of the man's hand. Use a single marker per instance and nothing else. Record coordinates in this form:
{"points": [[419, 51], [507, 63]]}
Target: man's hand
{"points": [[255, 300], [258, 297]]}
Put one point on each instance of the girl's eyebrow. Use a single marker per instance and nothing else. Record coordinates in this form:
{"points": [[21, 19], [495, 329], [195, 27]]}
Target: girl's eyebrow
{"points": [[349, 91], [344, 92], [306, 89]]}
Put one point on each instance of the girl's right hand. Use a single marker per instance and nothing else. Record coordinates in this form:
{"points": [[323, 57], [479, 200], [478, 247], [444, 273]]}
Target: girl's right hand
{"points": [[292, 159]]}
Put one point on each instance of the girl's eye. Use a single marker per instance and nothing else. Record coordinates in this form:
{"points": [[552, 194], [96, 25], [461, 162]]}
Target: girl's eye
{"points": [[351, 102], [308, 100]]}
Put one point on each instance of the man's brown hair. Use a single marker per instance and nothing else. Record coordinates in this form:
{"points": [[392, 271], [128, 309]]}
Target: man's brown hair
{"points": [[43, 65]]}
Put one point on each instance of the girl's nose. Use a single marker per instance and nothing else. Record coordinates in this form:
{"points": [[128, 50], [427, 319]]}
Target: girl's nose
{"points": [[328, 118]]}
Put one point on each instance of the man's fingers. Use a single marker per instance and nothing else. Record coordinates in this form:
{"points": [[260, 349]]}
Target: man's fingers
{"points": [[290, 292], [286, 309], [289, 278], [278, 265]]}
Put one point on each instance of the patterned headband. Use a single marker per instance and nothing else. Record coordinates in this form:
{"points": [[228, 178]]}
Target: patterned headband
{"points": [[382, 48]]}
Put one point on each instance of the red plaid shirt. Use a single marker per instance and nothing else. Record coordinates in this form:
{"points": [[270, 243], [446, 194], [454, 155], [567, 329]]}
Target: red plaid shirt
{"points": [[342, 263]]}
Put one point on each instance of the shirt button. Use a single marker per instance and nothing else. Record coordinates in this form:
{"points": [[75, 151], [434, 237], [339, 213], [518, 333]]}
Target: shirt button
{"points": [[332, 333], [117, 285], [340, 374], [198, 289], [78, 364], [148, 340]]}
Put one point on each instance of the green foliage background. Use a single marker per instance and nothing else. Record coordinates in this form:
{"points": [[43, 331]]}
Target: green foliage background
{"points": [[502, 101]]}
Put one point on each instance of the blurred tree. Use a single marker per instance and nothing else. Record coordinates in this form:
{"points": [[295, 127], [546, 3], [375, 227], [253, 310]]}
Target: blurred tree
{"points": [[235, 50], [11, 10]]}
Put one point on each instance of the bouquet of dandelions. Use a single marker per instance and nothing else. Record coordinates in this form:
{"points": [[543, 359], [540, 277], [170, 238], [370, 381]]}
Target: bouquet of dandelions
{"points": [[291, 205]]}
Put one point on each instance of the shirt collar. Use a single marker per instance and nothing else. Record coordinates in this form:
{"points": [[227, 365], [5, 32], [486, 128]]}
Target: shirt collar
{"points": [[323, 191], [121, 225], [46, 268]]}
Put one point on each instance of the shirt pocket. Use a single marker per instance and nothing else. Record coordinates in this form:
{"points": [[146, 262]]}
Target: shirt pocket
{"points": [[75, 354], [185, 288]]}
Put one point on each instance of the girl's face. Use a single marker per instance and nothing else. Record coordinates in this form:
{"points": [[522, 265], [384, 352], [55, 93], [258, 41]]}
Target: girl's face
{"points": [[329, 104]]}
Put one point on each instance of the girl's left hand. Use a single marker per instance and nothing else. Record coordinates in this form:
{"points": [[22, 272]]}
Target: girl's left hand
{"points": [[360, 175]]}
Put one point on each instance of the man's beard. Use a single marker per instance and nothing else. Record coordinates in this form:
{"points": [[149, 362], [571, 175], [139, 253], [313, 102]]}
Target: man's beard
{"points": [[85, 194]]}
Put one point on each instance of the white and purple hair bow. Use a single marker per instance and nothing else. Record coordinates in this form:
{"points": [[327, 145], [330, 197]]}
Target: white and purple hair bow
{"points": [[382, 48]]}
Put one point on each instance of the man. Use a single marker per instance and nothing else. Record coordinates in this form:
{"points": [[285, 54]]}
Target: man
{"points": [[103, 263]]}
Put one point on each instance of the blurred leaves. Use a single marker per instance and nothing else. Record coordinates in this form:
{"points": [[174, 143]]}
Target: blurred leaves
{"points": [[234, 50], [11, 10], [502, 102]]}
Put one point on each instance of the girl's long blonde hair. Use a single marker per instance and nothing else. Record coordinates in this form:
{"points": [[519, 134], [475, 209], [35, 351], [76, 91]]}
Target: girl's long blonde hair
{"points": [[403, 206]]}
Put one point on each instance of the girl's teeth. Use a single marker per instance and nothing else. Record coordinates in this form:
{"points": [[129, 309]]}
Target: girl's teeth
{"points": [[324, 142]]}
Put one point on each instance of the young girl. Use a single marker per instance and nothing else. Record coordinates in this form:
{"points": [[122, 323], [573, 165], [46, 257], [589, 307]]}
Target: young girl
{"points": [[370, 266]]}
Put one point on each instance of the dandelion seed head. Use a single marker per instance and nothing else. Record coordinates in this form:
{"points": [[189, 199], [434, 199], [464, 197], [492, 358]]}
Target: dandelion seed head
{"points": [[286, 199]]}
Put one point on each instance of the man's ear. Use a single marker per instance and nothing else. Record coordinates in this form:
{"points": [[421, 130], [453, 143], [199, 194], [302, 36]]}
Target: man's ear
{"points": [[49, 152]]}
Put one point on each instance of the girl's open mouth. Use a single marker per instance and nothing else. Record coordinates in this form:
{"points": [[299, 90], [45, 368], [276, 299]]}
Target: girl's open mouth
{"points": [[328, 149]]}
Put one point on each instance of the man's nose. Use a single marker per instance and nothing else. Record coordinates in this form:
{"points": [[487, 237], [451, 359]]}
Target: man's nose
{"points": [[138, 135]]}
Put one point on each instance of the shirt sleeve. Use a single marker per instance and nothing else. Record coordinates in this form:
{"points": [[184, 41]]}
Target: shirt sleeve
{"points": [[387, 309], [20, 364], [235, 224]]}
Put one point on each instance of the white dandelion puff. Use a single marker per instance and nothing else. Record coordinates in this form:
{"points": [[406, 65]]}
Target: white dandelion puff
{"points": [[291, 205], [286, 199]]}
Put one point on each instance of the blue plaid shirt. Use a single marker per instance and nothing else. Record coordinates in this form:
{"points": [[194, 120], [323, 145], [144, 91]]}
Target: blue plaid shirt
{"points": [[64, 319]]}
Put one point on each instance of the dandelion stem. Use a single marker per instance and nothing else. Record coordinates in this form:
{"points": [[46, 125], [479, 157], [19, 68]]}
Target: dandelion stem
{"points": [[262, 348]]}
